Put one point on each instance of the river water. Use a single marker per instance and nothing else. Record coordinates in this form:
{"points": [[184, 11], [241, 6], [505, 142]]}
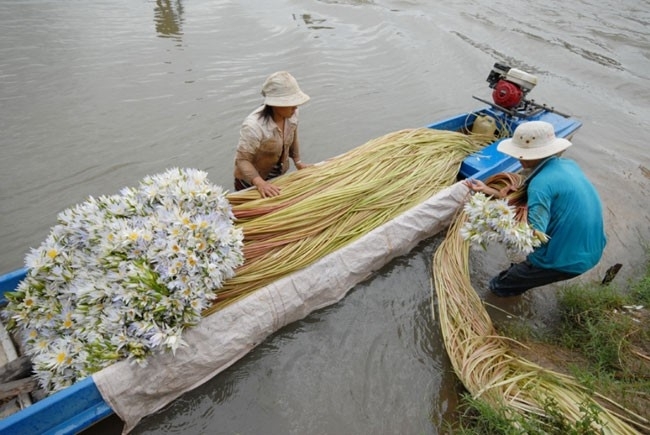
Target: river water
{"points": [[95, 95]]}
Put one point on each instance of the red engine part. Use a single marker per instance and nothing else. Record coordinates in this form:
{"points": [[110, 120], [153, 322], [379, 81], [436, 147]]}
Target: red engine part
{"points": [[507, 94]]}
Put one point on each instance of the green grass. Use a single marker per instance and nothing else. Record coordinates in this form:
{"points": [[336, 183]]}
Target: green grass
{"points": [[480, 419], [607, 325], [611, 345]]}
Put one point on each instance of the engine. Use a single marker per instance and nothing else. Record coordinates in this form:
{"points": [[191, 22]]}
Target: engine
{"points": [[510, 85]]}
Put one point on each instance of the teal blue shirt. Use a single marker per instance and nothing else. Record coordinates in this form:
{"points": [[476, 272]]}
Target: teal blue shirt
{"points": [[564, 204]]}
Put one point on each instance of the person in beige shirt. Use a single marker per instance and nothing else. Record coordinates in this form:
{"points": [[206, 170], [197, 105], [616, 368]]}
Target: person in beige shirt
{"points": [[269, 136]]}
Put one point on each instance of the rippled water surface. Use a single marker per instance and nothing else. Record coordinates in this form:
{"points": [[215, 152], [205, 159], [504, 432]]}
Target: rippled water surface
{"points": [[95, 95]]}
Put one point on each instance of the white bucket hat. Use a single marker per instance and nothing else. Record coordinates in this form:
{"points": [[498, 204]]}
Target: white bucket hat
{"points": [[533, 140], [281, 90]]}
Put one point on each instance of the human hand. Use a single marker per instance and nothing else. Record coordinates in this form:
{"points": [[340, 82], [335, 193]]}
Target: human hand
{"points": [[475, 185], [266, 189], [301, 165], [479, 186]]}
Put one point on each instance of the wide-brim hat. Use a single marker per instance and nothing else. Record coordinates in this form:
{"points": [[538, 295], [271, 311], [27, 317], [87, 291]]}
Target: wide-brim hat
{"points": [[281, 90], [533, 140]]}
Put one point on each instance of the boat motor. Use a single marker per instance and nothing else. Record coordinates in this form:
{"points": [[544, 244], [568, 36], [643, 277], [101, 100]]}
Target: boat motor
{"points": [[510, 85]]}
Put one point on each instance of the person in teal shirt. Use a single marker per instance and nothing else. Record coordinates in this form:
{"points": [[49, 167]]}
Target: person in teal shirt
{"points": [[562, 203]]}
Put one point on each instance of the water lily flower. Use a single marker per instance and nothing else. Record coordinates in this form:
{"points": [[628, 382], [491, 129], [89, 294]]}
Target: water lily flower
{"points": [[494, 220], [121, 276]]}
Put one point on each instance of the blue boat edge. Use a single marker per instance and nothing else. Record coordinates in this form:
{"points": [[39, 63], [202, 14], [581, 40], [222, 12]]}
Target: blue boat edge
{"points": [[489, 161], [68, 411]]}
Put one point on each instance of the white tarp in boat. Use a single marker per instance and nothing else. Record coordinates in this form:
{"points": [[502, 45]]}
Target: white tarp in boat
{"points": [[222, 338]]}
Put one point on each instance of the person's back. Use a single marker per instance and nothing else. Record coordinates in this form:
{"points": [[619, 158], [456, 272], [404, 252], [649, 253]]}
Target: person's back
{"points": [[564, 204]]}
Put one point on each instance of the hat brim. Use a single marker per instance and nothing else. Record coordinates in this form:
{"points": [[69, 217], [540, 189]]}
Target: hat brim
{"points": [[507, 146], [287, 101]]}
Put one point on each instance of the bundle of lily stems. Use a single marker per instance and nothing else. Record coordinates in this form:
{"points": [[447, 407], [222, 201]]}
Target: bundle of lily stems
{"points": [[485, 362], [325, 207]]}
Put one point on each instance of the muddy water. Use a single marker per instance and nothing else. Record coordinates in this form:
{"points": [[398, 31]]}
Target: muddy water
{"points": [[96, 95]]}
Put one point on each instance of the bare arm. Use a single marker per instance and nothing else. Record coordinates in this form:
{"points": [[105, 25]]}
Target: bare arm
{"points": [[479, 186]]}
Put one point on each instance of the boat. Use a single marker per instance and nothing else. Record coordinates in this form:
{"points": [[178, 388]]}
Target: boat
{"points": [[80, 406]]}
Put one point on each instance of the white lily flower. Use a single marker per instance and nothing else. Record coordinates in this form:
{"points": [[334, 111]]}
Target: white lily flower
{"points": [[493, 220], [120, 276]]}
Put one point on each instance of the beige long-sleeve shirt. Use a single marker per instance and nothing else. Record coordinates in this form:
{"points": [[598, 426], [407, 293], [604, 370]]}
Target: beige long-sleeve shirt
{"points": [[262, 145]]}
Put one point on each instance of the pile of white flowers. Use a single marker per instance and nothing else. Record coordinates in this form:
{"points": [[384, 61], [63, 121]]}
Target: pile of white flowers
{"points": [[494, 220], [120, 277]]}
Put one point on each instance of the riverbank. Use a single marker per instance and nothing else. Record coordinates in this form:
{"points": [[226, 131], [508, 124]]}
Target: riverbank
{"points": [[601, 338]]}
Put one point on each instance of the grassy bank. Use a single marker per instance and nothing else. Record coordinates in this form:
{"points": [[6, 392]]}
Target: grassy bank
{"points": [[602, 339]]}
